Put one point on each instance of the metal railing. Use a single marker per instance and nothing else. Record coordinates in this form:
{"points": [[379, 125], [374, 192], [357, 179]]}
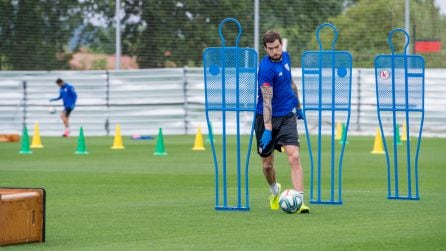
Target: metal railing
{"points": [[142, 101]]}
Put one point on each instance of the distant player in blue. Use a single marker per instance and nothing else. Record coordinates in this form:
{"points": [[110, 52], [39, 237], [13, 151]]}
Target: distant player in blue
{"points": [[69, 97], [275, 124]]}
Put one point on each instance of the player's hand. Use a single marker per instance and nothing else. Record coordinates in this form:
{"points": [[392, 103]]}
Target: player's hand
{"points": [[300, 114], [266, 139]]}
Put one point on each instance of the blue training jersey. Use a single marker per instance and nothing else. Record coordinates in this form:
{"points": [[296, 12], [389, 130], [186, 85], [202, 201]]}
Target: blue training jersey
{"points": [[68, 95], [278, 76]]}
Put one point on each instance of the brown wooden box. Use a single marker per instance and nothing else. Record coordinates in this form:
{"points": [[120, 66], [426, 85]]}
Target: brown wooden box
{"points": [[22, 215]]}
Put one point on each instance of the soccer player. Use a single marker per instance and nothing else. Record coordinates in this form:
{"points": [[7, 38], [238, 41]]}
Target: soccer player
{"points": [[276, 124], [69, 97]]}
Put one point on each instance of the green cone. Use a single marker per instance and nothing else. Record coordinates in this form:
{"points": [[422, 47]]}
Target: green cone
{"points": [[25, 142], [344, 135], [81, 148], [210, 137], [159, 151], [397, 134]]}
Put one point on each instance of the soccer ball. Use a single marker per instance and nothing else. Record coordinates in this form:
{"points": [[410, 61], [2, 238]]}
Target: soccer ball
{"points": [[290, 201], [52, 109]]}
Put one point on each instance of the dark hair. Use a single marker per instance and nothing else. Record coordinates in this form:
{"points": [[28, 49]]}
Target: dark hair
{"points": [[271, 36], [59, 81]]}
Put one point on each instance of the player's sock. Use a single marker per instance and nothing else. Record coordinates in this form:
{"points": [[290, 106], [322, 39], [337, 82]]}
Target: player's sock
{"points": [[304, 209], [301, 195], [274, 198], [274, 188]]}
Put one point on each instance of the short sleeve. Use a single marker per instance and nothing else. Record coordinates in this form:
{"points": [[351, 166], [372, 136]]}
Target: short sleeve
{"points": [[266, 75]]}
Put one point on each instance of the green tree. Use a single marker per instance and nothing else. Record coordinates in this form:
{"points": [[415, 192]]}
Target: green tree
{"points": [[427, 24], [297, 20], [97, 31], [6, 13], [34, 34], [363, 29], [179, 31]]}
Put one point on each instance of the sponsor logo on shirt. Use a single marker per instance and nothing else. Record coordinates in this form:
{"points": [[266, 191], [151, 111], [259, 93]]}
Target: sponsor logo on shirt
{"points": [[287, 67]]}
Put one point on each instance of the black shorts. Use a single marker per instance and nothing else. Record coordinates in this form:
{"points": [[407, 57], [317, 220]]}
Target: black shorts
{"points": [[67, 111], [284, 133]]}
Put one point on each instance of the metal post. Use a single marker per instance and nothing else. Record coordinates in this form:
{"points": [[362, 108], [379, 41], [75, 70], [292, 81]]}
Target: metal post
{"points": [[358, 116], [186, 104], [107, 103], [118, 35], [407, 19], [24, 103], [414, 38], [256, 25]]}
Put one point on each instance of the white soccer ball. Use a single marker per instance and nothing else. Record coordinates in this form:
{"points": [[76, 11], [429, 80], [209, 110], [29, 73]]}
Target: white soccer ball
{"points": [[290, 201], [52, 109]]}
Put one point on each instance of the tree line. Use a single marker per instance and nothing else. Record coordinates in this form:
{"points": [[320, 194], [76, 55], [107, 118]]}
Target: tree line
{"points": [[44, 34]]}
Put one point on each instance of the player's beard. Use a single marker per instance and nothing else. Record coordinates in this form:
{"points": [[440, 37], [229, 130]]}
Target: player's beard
{"points": [[276, 58]]}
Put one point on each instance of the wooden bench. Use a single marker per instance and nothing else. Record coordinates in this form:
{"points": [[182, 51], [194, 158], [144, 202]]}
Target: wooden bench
{"points": [[22, 215]]}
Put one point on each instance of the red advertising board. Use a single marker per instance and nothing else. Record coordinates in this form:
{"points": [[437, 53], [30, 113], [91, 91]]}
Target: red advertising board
{"points": [[427, 46]]}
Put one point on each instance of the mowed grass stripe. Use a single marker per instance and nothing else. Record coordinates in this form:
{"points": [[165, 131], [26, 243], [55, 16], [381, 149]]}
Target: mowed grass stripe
{"points": [[130, 199]]}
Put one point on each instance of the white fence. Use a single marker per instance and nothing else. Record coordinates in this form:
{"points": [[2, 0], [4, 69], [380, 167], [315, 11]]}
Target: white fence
{"points": [[142, 101]]}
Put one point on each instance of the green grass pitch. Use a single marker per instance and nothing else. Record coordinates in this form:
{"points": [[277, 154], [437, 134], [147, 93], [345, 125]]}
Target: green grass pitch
{"points": [[132, 200]]}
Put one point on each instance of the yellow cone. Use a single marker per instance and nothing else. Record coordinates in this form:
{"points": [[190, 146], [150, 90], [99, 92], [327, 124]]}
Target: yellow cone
{"points": [[338, 132], [404, 133], [117, 142], [198, 146], [37, 141], [378, 147]]}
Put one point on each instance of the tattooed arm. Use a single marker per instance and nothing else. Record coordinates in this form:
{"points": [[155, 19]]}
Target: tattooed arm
{"points": [[267, 93], [299, 113], [294, 87]]}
